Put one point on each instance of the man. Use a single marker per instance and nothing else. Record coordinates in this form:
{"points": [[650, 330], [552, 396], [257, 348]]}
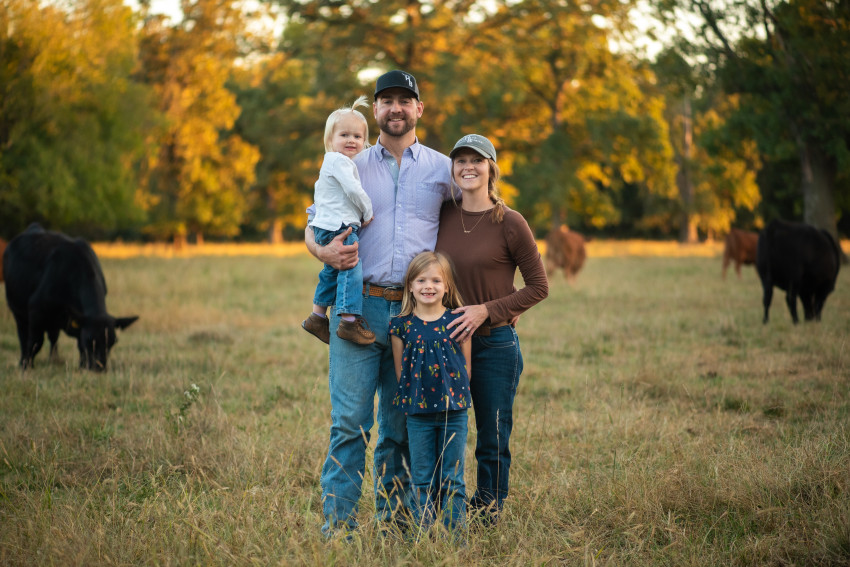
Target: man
{"points": [[407, 183]]}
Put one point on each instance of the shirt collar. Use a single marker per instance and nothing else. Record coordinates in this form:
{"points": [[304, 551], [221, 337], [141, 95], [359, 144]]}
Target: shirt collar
{"points": [[414, 149]]}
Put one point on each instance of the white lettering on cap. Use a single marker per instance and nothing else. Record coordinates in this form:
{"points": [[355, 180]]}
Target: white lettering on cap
{"points": [[409, 82]]}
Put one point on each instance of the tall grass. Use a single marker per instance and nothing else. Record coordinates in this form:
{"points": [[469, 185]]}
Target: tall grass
{"points": [[658, 422]]}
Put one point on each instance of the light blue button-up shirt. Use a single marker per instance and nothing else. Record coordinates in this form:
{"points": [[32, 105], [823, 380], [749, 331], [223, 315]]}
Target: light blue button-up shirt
{"points": [[406, 219]]}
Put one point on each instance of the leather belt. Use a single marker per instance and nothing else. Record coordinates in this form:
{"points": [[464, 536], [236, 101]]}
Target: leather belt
{"points": [[388, 293], [484, 329]]}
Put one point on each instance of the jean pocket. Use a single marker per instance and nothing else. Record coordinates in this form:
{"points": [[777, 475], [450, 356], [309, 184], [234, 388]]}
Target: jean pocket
{"points": [[496, 343]]}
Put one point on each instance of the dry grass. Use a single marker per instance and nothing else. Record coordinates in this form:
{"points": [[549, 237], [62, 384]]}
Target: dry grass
{"points": [[658, 422], [120, 250]]}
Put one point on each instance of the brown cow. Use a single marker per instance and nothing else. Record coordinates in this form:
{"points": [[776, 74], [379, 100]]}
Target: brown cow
{"points": [[741, 248], [565, 250]]}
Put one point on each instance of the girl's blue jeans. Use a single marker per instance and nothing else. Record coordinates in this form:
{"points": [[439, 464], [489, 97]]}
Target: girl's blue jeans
{"points": [[343, 288], [437, 443]]}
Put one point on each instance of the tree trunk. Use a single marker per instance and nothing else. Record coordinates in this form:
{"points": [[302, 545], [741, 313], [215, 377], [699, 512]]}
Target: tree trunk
{"points": [[818, 172], [276, 231], [179, 241], [687, 229]]}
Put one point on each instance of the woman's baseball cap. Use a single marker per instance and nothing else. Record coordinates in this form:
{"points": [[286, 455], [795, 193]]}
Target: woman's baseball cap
{"points": [[475, 142], [398, 79]]}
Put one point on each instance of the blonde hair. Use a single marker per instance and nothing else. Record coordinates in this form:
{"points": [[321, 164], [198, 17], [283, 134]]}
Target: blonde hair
{"points": [[498, 212], [337, 115], [423, 261]]}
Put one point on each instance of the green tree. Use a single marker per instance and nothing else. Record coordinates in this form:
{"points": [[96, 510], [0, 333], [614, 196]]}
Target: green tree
{"points": [[197, 182], [286, 122], [329, 54], [716, 163], [572, 120], [787, 60], [582, 121], [72, 119]]}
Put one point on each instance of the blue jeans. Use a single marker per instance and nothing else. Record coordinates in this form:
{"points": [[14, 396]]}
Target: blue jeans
{"points": [[343, 288], [496, 368], [437, 443], [356, 373]]}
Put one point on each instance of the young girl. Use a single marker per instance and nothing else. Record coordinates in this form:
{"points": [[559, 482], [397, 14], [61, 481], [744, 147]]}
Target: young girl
{"points": [[341, 203], [433, 390]]}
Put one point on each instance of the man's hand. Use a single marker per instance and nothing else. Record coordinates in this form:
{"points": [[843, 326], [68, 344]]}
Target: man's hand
{"points": [[335, 254]]}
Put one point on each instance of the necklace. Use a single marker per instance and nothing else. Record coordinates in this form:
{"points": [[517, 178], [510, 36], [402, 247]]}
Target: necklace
{"points": [[463, 224]]}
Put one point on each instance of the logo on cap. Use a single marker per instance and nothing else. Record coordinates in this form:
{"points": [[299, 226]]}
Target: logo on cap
{"points": [[409, 81]]}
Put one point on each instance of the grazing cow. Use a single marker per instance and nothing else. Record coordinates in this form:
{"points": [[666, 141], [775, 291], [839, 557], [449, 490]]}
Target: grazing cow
{"points": [[55, 283], [800, 259], [565, 250], [741, 248]]}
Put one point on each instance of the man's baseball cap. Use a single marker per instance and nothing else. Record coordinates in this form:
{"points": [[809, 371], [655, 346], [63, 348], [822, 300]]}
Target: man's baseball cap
{"points": [[475, 142], [398, 79]]}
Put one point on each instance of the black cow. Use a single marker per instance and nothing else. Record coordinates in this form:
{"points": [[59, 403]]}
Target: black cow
{"points": [[55, 283], [802, 260]]}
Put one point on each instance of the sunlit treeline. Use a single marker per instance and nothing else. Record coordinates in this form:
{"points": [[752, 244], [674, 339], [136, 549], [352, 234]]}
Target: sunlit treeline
{"points": [[115, 121]]}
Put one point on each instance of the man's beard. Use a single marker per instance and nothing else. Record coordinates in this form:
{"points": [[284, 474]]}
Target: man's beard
{"points": [[397, 129]]}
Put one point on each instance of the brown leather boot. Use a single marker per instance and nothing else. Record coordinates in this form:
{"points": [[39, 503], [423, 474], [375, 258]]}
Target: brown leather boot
{"points": [[356, 331], [317, 326]]}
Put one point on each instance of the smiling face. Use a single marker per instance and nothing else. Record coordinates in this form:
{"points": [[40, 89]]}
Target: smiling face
{"points": [[397, 111], [470, 171], [429, 286], [349, 135]]}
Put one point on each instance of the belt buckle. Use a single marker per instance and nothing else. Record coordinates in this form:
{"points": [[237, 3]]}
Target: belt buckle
{"points": [[389, 292]]}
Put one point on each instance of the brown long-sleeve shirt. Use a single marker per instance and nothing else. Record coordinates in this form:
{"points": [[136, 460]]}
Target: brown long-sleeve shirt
{"points": [[486, 259]]}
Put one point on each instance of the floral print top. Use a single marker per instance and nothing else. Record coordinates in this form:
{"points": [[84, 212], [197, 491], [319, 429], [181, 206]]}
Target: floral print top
{"points": [[434, 377]]}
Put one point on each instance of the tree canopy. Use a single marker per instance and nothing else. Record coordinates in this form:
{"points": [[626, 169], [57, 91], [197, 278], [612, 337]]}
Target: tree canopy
{"points": [[121, 122]]}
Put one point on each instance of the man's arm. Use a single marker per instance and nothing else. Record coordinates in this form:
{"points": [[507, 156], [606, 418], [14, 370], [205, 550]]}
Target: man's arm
{"points": [[335, 253]]}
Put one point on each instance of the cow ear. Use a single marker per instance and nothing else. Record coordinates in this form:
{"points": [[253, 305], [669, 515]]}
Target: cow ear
{"points": [[124, 322]]}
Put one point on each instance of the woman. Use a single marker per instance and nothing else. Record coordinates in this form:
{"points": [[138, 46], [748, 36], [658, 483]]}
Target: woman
{"points": [[487, 242]]}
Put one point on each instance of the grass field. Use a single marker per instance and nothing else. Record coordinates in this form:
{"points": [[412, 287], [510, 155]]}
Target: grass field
{"points": [[658, 422]]}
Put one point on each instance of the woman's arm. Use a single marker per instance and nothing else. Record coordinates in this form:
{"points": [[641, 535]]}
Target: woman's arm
{"points": [[526, 257]]}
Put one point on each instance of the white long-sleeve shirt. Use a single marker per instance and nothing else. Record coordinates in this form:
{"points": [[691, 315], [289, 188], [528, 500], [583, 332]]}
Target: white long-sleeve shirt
{"points": [[338, 195]]}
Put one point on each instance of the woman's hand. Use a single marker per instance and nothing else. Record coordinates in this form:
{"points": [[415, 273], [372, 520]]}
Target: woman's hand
{"points": [[472, 317]]}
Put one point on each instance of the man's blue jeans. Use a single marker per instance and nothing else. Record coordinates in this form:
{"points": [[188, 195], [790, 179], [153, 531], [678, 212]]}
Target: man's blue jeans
{"points": [[496, 368], [343, 288], [437, 443], [356, 373]]}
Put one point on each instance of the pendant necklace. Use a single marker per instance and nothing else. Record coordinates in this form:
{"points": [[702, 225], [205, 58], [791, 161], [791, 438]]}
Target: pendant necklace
{"points": [[463, 224]]}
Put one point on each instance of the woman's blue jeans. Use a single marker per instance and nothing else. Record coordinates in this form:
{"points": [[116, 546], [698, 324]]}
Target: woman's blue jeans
{"points": [[496, 368], [437, 443]]}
